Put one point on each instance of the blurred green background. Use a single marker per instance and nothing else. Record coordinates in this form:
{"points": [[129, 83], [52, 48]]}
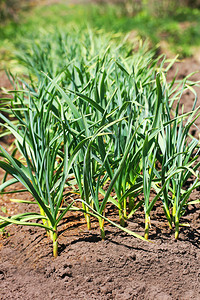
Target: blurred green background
{"points": [[172, 25]]}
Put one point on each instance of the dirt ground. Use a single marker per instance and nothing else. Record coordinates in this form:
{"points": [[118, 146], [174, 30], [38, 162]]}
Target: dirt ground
{"points": [[121, 267]]}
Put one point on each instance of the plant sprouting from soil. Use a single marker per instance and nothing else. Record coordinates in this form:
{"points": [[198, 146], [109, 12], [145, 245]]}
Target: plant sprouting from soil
{"points": [[108, 125]]}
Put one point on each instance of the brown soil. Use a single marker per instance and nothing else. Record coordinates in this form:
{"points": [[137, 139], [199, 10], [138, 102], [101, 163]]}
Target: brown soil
{"points": [[121, 267]]}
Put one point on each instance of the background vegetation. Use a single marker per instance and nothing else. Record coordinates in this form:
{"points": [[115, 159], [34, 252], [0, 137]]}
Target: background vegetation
{"points": [[172, 24]]}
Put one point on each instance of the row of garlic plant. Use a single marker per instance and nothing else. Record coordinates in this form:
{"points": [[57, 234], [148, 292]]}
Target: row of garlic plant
{"points": [[107, 120]]}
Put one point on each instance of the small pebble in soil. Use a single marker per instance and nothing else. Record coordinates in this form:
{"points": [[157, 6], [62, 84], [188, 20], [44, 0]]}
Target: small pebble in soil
{"points": [[106, 289], [88, 279], [99, 260], [132, 257]]}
